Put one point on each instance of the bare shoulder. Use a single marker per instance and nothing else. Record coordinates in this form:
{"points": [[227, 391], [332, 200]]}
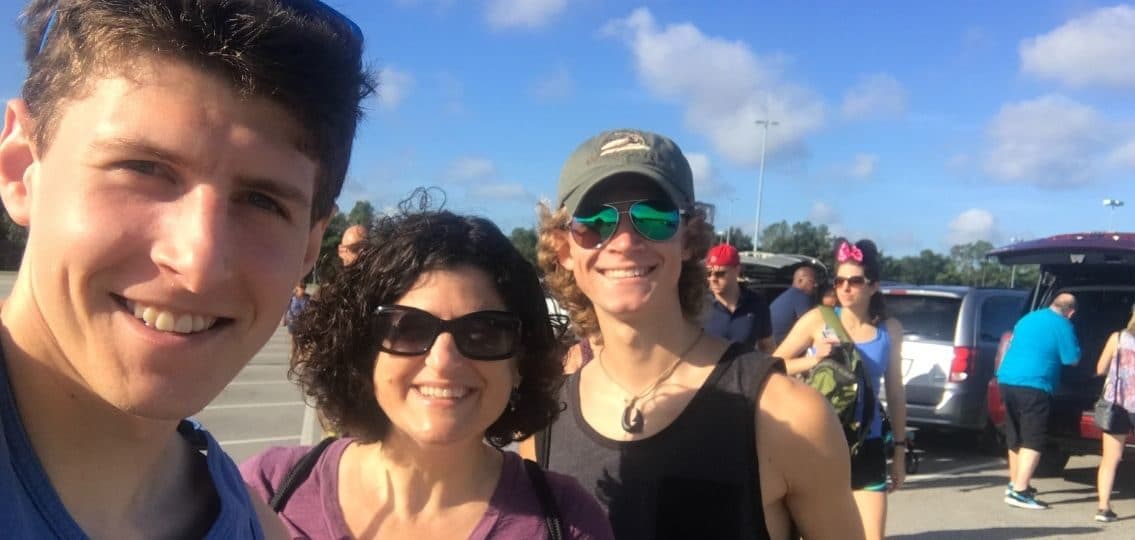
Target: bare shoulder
{"points": [[792, 408], [894, 327]]}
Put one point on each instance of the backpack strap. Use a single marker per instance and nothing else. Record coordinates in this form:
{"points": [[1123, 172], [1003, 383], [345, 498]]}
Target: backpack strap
{"points": [[547, 500], [870, 401], [297, 475]]}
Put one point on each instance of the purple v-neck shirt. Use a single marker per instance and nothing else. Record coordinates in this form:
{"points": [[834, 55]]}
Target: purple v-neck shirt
{"points": [[514, 511]]}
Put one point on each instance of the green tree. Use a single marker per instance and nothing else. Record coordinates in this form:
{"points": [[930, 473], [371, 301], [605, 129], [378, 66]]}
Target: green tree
{"points": [[802, 238], [361, 214], [524, 239], [737, 239], [328, 262], [13, 238]]}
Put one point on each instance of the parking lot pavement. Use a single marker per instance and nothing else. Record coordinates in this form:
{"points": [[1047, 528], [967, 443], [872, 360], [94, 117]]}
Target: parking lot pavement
{"points": [[957, 494], [260, 408]]}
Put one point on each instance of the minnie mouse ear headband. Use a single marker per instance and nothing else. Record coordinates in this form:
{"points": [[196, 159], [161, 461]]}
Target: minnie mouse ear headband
{"points": [[848, 253]]}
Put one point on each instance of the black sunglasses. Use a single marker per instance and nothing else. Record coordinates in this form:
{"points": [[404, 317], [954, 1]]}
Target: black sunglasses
{"points": [[481, 335], [655, 220], [855, 281], [343, 25], [718, 274]]}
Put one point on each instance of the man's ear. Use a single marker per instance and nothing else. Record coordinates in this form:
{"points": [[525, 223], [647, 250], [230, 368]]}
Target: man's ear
{"points": [[314, 242], [563, 251], [18, 162]]}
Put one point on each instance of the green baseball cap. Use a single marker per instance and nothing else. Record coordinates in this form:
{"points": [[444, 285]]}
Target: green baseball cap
{"points": [[619, 151]]}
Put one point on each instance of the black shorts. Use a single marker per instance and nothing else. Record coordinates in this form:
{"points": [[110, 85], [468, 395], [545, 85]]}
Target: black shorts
{"points": [[1026, 416], [1123, 425], [869, 467]]}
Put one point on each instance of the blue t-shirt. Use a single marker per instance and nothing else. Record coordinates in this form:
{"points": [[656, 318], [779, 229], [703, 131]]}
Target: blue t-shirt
{"points": [[295, 306], [786, 309], [1042, 341], [747, 324], [32, 509], [875, 354]]}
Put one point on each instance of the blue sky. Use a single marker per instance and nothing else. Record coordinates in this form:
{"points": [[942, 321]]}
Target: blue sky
{"points": [[917, 124]]}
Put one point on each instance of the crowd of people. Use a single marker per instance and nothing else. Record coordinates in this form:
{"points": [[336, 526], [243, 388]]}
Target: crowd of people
{"points": [[176, 164]]}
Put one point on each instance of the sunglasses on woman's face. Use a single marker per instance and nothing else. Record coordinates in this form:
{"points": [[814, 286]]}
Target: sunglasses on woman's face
{"points": [[854, 281], [654, 220], [481, 335]]}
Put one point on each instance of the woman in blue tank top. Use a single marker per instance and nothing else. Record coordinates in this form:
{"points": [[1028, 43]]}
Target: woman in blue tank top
{"points": [[879, 342]]}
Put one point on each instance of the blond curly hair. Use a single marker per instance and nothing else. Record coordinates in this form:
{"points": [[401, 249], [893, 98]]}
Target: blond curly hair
{"points": [[560, 281]]}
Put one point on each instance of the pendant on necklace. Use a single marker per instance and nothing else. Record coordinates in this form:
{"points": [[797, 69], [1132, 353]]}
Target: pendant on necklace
{"points": [[632, 419]]}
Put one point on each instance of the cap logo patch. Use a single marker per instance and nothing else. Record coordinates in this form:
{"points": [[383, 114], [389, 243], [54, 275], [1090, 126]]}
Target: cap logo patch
{"points": [[623, 142]]}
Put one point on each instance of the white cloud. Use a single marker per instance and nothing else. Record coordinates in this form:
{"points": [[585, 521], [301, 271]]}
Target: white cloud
{"points": [[502, 14], [471, 168], [393, 87], [973, 225], [722, 84], [706, 185], [1123, 156], [503, 191], [556, 86], [1092, 50], [1050, 141], [823, 214], [863, 166], [875, 95]]}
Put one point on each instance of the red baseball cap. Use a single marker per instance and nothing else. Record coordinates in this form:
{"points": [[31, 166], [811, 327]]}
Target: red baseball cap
{"points": [[723, 255]]}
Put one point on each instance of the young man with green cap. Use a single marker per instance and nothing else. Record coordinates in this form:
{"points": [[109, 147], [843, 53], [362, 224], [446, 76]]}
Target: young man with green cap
{"points": [[677, 433]]}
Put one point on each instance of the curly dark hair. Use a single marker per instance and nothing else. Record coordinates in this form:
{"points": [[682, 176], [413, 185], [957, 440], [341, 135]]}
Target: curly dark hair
{"points": [[872, 268], [336, 342]]}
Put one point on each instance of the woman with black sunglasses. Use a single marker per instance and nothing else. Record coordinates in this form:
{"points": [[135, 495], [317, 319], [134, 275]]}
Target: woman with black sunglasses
{"points": [[878, 340], [677, 433], [432, 344]]}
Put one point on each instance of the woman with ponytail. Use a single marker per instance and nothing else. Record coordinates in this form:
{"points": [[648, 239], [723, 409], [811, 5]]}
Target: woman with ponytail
{"points": [[878, 339]]}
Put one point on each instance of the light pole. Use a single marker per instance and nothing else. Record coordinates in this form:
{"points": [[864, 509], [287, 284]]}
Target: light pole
{"points": [[1113, 204], [761, 179]]}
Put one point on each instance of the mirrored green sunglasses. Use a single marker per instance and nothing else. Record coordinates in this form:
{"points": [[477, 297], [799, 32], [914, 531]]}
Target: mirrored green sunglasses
{"points": [[655, 220]]}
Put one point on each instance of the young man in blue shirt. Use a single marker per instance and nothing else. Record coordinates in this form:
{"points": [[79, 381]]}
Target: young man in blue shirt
{"points": [[1043, 341], [736, 313], [175, 163]]}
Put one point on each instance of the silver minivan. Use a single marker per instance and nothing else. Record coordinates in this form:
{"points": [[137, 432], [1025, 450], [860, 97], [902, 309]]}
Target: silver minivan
{"points": [[950, 340]]}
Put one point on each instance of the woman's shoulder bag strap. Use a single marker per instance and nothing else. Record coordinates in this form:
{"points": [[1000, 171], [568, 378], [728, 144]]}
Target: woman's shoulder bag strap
{"points": [[547, 500], [296, 476]]}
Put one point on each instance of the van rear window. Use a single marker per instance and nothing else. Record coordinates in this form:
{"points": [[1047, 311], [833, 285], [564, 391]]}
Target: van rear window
{"points": [[929, 317]]}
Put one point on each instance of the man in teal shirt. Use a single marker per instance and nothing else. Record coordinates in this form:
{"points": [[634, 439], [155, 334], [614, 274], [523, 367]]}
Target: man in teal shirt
{"points": [[1043, 341]]}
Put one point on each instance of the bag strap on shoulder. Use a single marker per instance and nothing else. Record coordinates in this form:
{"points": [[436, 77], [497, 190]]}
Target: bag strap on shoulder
{"points": [[547, 500], [297, 475], [833, 322]]}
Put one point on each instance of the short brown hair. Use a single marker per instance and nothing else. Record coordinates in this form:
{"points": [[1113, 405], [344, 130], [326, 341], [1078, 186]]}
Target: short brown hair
{"points": [[304, 57], [692, 286]]}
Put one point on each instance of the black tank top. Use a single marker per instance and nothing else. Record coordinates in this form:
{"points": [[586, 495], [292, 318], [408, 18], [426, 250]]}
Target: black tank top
{"points": [[697, 478]]}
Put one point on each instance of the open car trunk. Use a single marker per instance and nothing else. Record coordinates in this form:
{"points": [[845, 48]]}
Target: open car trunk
{"points": [[1099, 269]]}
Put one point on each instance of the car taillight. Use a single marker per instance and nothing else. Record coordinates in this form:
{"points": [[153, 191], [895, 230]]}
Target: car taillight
{"points": [[962, 365]]}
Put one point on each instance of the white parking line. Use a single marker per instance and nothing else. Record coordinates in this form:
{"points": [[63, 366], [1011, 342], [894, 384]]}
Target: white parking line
{"points": [[252, 405], [949, 473], [260, 440]]}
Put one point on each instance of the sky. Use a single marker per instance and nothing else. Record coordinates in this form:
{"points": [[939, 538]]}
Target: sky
{"points": [[920, 125]]}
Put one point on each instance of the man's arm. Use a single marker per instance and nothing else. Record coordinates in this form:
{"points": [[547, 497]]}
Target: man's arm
{"points": [[1069, 345], [800, 439]]}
